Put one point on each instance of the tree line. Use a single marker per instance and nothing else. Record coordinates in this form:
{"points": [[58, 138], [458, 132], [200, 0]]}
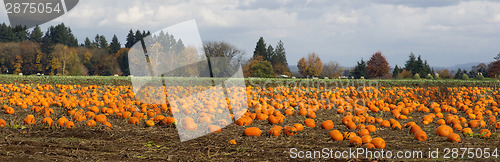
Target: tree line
{"points": [[377, 67], [57, 52]]}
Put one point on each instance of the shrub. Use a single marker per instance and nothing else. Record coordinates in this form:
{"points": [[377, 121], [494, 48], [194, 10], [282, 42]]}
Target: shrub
{"points": [[465, 76], [429, 76], [480, 76], [416, 76]]}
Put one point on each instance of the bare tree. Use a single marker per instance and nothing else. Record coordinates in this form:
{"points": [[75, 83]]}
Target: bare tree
{"points": [[224, 57], [223, 49], [332, 69]]}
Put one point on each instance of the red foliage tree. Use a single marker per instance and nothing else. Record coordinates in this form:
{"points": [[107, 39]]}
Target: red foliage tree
{"points": [[494, 69], [377, 66]]}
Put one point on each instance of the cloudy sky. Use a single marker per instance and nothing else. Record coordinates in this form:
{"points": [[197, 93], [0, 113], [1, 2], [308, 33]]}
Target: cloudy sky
{"points": [[444, 32]]}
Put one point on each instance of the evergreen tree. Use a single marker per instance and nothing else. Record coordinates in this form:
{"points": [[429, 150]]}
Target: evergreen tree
{"points": [[115, 45], [410, 64], [280, 54], [130, 39], [20, 33], [458, 75], [395, 72], [272, 54], [260, 50], [360, 70], [419, 68], [103, 43], [46, 45], [138, 36], [88, 43], [96, 43], [6, 33], [36, 35]]}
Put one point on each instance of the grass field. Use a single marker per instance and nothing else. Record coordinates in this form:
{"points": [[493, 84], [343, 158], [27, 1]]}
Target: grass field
{"points": [[424, 102]]}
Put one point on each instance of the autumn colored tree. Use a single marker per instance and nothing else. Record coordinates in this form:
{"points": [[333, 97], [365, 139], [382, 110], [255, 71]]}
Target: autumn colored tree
{"points": [[261, 68], [377, 66], [312, 66], [494, 69], [445, 74], [279, 68], [18, 64]]}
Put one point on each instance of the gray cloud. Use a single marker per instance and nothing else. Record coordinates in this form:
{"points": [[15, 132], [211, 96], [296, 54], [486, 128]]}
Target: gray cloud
{"points": [[444, 32]]}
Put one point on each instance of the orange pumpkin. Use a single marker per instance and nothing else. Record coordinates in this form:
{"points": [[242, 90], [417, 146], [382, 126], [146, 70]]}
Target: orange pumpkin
{"points": [[467, 132], [252, 131], [3, 123], [274, 131], [485, 133], [101, 118], [366, 139], [48, 121], [336, 135], [290, 131], [91, 123], [454, 137], [214, 129], [444, 130], [421, 135], [310, 123], [30, 119], [69, 124], [378, 142], [327, 124], [133, 120], [150, 123], [298, 126], [356, 141]]}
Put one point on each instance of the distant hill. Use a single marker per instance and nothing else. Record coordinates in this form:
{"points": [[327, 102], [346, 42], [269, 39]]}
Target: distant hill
{"points": [[466, 66]]}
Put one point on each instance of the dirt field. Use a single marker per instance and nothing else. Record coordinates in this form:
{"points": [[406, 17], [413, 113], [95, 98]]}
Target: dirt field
{"points": [[133, 143]]}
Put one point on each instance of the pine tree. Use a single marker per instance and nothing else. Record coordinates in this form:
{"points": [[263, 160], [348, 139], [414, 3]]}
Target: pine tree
{"points": [[360, 70], [36, 35], [115, 45], [88, 43], [410, 64], [395, 72], [458, 75], [103, 43], [138, 35], [272, 54], [130, 39], [260, 50], [96, 43], [280, 54]]}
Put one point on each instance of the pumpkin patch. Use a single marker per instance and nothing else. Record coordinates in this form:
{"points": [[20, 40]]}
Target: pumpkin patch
{"points": [[371, 117]]}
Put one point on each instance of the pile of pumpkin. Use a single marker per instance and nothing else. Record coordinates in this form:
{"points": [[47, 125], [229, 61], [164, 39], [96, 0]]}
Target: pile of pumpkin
{"points": [[464, 100]]}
